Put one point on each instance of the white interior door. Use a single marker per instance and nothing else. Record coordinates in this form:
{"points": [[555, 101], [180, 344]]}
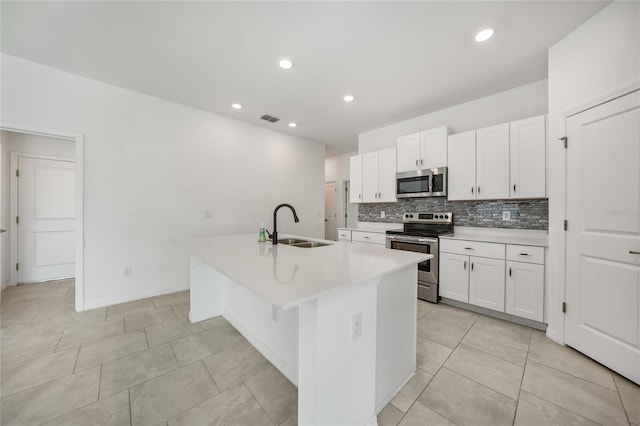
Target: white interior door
{"points": [[351, 210], [331, 211], [46, 226], [603, 237]]}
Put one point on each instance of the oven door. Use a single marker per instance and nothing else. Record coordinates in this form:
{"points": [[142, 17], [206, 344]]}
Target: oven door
{"points": [[428, 269], [413, 184]]}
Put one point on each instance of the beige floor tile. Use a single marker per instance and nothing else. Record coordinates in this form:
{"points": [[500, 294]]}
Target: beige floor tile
{"points": [[291, 421], [218, 321], [112, 411], [453, 316], [431, 355], [182, 310], [17, 318], [421, 415], [136, 368], [171, 299], [389, 416], [500, 338], [201, 345], [32, 347], [50, 400], [109, 349], [423, 308], [170, 330], [495, 373], [18, 294], [592, 401], [235, 406], [89, 334], [130, 308], [166, 396], [411, 391], [545, 351], [61, 321], [466, 402], [630, 395], [533, 411], [277, 395], [69, 283], [19, 376], [235, 364], [440, 332], [146, 319]]}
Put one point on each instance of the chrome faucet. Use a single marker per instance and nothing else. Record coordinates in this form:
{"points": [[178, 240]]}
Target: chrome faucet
{"points": [[275, 220]]}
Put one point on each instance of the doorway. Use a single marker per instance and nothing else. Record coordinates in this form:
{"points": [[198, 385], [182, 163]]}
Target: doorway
{"points": [[351, 209], [603, 234], [331, 211]]}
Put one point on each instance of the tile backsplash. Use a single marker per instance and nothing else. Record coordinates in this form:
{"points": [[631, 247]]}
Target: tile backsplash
{"points": [[525, 214]]}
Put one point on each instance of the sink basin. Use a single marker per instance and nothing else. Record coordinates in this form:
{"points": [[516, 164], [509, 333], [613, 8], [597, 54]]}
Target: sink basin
{"points": [[310, 244], [291, 241]]}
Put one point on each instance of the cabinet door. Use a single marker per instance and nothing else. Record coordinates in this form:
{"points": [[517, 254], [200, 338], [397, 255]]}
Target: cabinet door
{"points": [[370, 177], [355, 176], [525, 290], [461, 153], [528, 152], [486, 283], [454, 276], [387, 175], [492, 162], [433, 148], [408, 147]]}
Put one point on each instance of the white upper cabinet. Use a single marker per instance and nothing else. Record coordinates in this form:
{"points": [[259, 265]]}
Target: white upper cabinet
{"points": [[461, 149], [373, 177], [355, 176], [424, 150], [528, 146], [492, 162]]}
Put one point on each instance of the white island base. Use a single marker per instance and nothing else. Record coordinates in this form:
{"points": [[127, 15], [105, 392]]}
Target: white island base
{"points": [[349, 350]]}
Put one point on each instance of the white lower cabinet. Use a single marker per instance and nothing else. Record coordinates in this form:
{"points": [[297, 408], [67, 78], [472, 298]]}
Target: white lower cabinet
{"points": [[525, 290], [368, 237], [454, 276], [486, 283]]}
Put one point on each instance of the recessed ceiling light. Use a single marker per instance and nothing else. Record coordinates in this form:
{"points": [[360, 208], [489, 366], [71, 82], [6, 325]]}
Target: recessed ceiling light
{"points": [[292, 124], [484, 35], [236, 106], [348, 98], [285, 63]]}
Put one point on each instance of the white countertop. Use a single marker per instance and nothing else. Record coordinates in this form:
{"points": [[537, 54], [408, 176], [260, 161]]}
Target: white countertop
{"points": [[289, 276], [379, 227], [500, 235]]}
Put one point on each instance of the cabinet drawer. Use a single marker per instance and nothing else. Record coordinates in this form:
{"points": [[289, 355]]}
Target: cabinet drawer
{"points": [[368, 237], [473, 248], [344, 235], [529, 254]]}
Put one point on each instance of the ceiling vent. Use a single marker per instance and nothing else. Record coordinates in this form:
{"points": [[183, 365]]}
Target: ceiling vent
{"points": [[269, 118]]}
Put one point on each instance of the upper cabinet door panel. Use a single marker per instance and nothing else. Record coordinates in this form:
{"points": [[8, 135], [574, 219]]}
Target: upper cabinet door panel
{"points": [[370, 177], [461, 153], [408, 147], [528, 151], [433, 147], [492, 174], [387, 175], [355, 176]]}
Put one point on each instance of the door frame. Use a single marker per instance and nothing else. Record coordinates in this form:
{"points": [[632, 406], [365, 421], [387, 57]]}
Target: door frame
{"points": [[78, 140], [337, 184], [13, 206]]}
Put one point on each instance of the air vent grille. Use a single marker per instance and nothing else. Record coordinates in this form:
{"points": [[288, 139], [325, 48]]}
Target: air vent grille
{"points": [[269, 118]]}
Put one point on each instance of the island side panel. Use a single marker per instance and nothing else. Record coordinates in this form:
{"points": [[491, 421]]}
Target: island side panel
{"points": [[206, 291], [396, 342], [337, 367]]}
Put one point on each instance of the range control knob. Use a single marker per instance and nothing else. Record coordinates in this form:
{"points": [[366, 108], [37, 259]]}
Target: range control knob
{"points": [[446, 216]]}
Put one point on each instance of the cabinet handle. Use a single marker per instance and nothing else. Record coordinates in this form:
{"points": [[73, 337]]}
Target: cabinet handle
{"points": [[509, 271], [421, 161], [478, 190], [416, 163], [472, 189], [525, 254], [472, 266], [360, 196], [634, 252], [468, 248], [465, 265], [366, 238], [514, 187]]}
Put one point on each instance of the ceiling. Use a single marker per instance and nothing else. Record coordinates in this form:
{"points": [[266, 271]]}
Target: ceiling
{"points": [[399, 59]]}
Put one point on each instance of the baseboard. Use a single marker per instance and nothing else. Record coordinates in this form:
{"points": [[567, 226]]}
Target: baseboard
{"points": [[5, 284], [495, 314], [387, 398], [271, 356], [117, 300]]}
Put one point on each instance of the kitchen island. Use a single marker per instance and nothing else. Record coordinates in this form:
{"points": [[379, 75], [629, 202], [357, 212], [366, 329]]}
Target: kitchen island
{"points": [[339, 321]]}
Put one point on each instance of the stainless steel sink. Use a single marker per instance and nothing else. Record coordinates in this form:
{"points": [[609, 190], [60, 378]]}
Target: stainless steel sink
{"points": [[291, 241], [310, 244]]}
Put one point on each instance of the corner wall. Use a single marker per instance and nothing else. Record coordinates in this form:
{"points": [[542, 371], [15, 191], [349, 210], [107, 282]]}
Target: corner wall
{"points": [[153, 171]]}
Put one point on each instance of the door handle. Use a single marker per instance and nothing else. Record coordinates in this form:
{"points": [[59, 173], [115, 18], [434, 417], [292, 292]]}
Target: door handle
{"points": [[509, 271], [2, 230], [630, 251], [514, 187], [472, 266]]}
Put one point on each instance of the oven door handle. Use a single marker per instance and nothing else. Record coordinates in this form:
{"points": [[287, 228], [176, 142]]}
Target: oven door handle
{"points": [[412, 240]]}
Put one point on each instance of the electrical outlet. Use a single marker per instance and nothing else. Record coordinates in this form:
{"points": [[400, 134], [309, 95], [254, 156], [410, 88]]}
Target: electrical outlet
{"points": [[356, 326], [127, 271], [506, 215], [275, 314], [382, 214], [208, 214]]}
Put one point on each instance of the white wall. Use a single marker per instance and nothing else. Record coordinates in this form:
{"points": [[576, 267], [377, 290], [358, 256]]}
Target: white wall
{"points": [[24, 143], [522, 102], [596, 62], [151, 170]]}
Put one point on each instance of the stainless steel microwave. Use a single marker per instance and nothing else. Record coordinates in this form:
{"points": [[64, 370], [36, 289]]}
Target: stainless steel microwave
{"points": [[422, 183]]}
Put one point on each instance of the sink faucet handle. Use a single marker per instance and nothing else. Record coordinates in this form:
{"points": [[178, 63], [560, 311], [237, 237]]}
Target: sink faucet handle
{"points": [[269, 235]]}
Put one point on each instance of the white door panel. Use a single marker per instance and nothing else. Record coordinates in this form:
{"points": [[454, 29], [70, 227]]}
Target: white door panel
{"points": [[454, 276], [486, 283], [355, 176], [46, 208], [461, 153], [331, 211], [492, 173], [603, 201]]}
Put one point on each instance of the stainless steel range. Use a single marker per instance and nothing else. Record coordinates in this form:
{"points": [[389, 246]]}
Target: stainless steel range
{"points": [[420, 234]]}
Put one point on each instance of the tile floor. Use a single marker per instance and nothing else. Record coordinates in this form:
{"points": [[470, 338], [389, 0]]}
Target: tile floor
{"points": [[143, 363]]}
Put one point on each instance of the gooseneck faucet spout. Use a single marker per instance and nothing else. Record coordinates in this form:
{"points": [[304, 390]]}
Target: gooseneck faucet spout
{"points": [[275, 220]]}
